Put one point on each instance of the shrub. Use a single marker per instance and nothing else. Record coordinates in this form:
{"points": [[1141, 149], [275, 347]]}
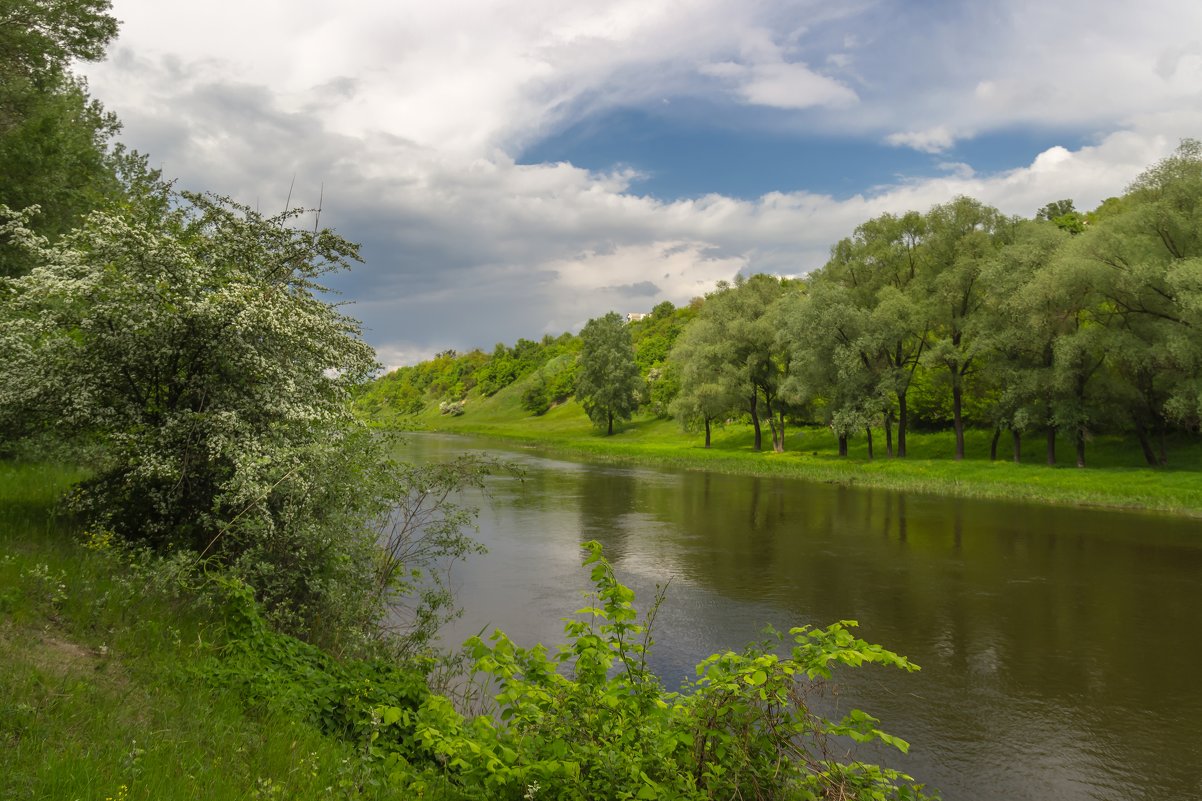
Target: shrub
{"points": [[592, 721], [186, 336]]}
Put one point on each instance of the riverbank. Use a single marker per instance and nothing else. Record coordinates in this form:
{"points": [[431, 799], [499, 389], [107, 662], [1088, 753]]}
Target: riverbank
{"points": [[130, 676], [102, 697], [1115, 477]]}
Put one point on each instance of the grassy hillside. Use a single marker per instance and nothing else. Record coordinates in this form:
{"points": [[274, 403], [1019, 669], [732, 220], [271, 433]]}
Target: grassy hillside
{"points": [[1115, 475]]}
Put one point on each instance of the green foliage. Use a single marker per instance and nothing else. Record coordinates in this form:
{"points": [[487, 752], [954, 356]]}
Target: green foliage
{"points": [[1064, 215], [501, 370], [53, 137], [536, 397], [193, 345], [653, 338], [550, 385], [99, 655], [1070, 324], [43, 36], [53, 156], [607, 377], [279, 674], [449, 378], [593, 721], [731, 358]]}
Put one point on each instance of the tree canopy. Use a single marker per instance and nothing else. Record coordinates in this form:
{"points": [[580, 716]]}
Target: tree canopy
{"points": [[607, 377], [54, 139]]}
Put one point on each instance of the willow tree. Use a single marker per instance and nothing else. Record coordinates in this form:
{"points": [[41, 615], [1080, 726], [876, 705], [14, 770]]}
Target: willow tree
{"points": [[707, 382], [880, 267], [1146, 260], [734, 344], [962, 238], [1036, 302]]}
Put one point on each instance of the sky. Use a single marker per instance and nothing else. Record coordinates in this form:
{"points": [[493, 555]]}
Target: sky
{"points": [[515, 168]]}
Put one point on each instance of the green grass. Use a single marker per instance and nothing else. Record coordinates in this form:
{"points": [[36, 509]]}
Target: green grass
{"points": [[1115, 475], [98, 698]]}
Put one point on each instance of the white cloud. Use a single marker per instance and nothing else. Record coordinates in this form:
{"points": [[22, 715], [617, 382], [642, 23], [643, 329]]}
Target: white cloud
{"points": [[932, 140], [959, 169], [412, 116], [783, 85]]}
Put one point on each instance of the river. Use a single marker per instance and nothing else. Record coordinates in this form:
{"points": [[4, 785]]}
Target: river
{"points": [[1060, 648]]}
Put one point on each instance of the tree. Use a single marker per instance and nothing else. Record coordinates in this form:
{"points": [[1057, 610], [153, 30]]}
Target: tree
{"points": [[193, 347], [733, 343], [607, 377], [53, 137], [880, 268], [707, 389], [1035, 304], [962, 237], [40, 37], [1064, 215], [653, 338], [1146, 255], [826, 331]]}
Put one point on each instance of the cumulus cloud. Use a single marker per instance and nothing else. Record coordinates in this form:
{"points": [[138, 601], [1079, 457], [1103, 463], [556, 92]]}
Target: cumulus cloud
{"points": [[408, 124]]}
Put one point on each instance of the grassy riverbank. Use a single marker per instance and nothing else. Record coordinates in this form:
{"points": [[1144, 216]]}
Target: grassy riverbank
{"points": [[126, 677], [100, 699], [1114, 478]]}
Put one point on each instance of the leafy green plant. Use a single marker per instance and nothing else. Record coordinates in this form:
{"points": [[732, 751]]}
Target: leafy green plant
{"points": [[281, 674], [593, 721]]}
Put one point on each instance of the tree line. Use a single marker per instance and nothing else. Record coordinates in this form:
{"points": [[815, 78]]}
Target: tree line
{"points": [[1068, 323], [1065, 323]]}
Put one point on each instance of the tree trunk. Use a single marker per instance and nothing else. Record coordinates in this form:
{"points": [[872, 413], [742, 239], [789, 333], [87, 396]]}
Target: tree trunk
{"points": [[889, 435], [776, 424], [997, 434], [1018, 445], [610, 416], [868, 431], [901, 425], [1080, 447], [1141, 433], [1051, 445], [707, 432], [842, 444], [957, 418], [755, 421]]}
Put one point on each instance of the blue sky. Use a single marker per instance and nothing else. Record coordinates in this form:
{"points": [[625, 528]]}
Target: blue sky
{"points": [[694, 153], [515, 167]]}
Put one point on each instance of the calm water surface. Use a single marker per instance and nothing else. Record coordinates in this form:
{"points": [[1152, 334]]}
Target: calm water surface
{"points": [[1060, 648]]}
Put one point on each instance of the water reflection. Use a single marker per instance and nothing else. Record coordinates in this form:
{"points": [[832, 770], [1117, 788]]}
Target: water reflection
{"points": [[1059, 647]]}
